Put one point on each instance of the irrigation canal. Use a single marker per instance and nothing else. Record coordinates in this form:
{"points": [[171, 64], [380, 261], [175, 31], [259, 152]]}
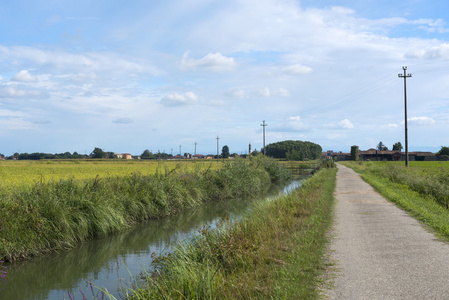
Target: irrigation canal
{"points": [[110, 262]]}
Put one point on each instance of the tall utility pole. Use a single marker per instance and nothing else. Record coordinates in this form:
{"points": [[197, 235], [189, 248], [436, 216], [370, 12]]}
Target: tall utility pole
{"points": [[218, 157], [195, 147], [405, 109], [264, 125], [179, 150]]}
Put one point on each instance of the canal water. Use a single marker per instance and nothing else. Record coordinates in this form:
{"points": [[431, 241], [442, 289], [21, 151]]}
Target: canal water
{"points": [[111, 262]]}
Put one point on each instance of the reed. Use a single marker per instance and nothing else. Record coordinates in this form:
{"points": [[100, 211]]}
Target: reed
{"points": [[59, 214], [275, 252]]}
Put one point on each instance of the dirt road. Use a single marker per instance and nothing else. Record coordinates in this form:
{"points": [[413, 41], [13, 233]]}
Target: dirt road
{"points": [[380, 252]]}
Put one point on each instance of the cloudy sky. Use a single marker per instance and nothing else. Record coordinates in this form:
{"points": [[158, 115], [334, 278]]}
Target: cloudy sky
{"points": [[127, 76]]}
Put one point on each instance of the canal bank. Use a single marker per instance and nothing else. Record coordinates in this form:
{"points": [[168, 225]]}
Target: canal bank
{"points": [[109, 262], [276, 252]]}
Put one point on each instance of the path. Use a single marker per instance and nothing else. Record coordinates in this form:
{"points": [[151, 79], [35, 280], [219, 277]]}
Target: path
{"points": [[380, 252]]}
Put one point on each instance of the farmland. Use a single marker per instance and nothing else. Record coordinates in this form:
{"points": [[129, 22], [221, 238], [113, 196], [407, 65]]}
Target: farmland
{"points": [[19, 173]]}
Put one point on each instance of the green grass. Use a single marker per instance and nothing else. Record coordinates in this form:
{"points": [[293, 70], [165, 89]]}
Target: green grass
{"points": [[58, 214], [422, 189], [274, 252]]}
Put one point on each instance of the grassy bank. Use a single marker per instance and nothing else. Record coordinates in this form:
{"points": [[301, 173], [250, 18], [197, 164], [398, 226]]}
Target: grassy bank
{"points": [[422, 189], [58, 214], [275, 252]]}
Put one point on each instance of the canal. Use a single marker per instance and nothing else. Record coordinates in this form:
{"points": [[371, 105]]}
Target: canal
{"points": [[111, 262]]}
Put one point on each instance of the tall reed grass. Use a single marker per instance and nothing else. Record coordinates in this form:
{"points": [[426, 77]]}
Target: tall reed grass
{"points": [[428, 179], [59, 214], [276, 252]]}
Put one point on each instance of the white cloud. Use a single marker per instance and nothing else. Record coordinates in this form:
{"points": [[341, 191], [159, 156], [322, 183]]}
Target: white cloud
{"points": [[429, 52], [84, 76], [211, 62], [10, 113], [392, 125], [24, 76], [421, 121], [264, 92], [66, 61], [346, 124], [236, 93], [15, 92], [179, 99], [291, 124], [294, 119], [343, 124], [297, 70]]}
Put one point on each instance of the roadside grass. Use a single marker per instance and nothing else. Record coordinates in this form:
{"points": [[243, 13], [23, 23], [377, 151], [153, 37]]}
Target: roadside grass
{"points": [[56, 215], [275, 252], [422, 189]]}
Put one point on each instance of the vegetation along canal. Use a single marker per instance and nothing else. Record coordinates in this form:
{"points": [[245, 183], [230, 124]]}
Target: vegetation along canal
{"points": [[110, 262]]}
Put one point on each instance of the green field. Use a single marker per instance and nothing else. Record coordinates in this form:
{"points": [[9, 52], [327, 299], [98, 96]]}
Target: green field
{"points": [[15, 173]]}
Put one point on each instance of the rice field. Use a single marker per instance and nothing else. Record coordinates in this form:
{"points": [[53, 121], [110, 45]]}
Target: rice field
{"points": [[15, 173]]}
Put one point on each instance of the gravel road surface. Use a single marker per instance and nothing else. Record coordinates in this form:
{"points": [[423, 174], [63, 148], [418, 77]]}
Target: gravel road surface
{"points": [[380, 252]]}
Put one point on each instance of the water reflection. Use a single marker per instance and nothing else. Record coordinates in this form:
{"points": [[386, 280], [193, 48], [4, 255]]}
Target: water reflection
{"points": [[108, 262]]}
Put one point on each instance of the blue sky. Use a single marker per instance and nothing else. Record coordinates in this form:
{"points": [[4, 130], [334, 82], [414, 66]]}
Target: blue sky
{"points": [[130, 76]]}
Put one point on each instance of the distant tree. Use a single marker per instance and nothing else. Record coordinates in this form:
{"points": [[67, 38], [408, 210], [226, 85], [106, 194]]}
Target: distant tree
{"points": [[225, 152], [381, 146], [255, 153], [98, 153], [355, 153], [443, 151], [146, 154], [397, 146], [294, 150]]}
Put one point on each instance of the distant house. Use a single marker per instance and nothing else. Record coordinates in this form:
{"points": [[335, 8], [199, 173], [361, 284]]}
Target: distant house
{"points": [[373, 154], [339, 156], [198, 156], [127, 156], [122, 156]]}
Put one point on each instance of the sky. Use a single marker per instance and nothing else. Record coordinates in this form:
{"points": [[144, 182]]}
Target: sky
{"points": [[126, 76]]}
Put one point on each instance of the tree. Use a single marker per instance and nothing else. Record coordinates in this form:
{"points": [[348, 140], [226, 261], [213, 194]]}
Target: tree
{"points": [[381, 146], [98, 153], [443, 151], [146, 154], [225, 151], [294, 150], [397, 146]]}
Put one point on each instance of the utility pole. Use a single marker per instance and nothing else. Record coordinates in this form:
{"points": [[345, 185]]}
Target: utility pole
{"points": [[179, 150], [195, 147], [264, 125], [218, 157], [405, 109]]}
